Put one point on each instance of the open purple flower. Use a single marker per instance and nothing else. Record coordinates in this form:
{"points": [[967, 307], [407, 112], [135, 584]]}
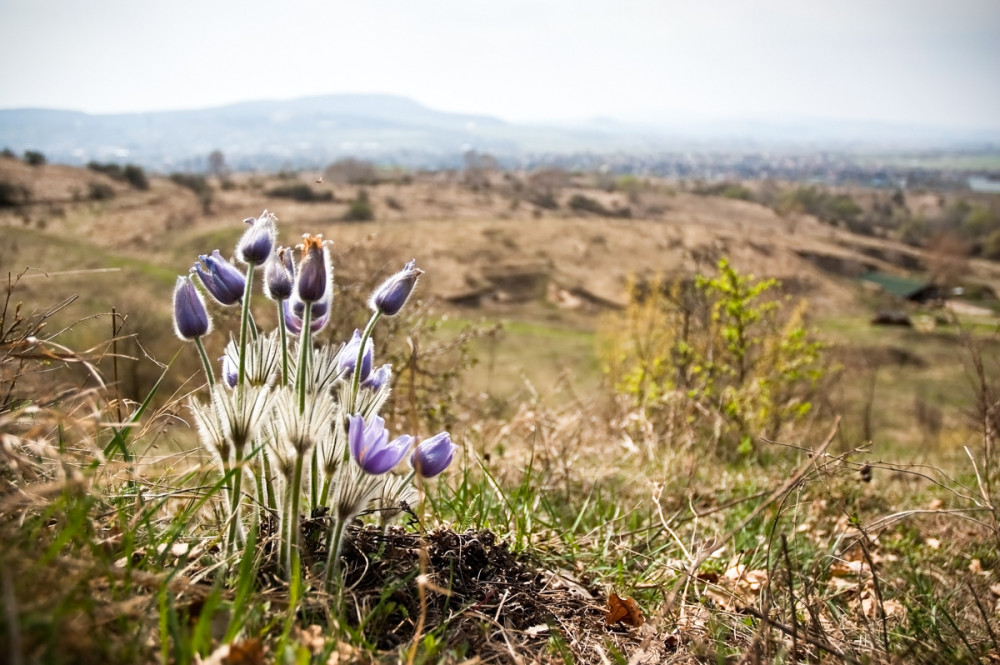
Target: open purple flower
{"points": [[370, 446], [190, 318], [433, 455], [391, 295], [349, 356], [255, 246], [315, 272], [279, 275], [221, 278]]}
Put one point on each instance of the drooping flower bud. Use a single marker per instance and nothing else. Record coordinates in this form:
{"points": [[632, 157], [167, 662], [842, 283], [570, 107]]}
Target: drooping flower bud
{"points": [[190, 317], [255, 246], [391, 295], [279, 275], [314, 272], [294, 308], [370, 446], [221, 278], [230, 372], [348, 358], [433, 455], [380, 377]]}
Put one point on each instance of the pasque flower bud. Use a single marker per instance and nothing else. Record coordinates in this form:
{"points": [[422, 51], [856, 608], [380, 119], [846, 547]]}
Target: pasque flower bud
{"points": [[392, 294], [190, 317], [255, 246], [221, 278], [433, 455]]}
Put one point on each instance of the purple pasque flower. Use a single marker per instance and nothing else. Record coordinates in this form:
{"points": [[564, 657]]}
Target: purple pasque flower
{"points": [[391, 295], [370, 446], [221, 278], [348, 356], [319, 315], [378, 378], [190, 317], [255, 246], [279, 275], [433, 455], [315, 272], [230, 372]]}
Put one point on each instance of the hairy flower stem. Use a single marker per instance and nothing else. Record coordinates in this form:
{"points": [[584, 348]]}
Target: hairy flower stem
{"points": [[333, 544], [284, 344], [272, 499], [305, 347], [356, 380], [292, 503], [325, 494], [244, 322], [209, 374], [234, 511], [314, 480]]}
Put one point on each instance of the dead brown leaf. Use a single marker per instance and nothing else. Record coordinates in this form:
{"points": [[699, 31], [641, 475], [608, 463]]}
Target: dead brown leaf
{"points": [[623, 610]]}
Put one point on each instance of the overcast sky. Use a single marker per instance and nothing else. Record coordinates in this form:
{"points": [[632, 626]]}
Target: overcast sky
{"points": [[911, 61]]}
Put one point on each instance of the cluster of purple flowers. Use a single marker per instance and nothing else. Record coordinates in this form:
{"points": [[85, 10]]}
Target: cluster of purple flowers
{"points": [[302, 420]]}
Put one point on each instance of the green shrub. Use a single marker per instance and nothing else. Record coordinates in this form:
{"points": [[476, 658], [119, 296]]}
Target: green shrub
{"points": [[99, 191], [135, 176], [991, 246], [13, 194], [546, 200], [717, 358], [300, 192], [33, 158], [360, 209], [581, 203], [199, 185], [829, 208], [132, 174], [727, 190]]}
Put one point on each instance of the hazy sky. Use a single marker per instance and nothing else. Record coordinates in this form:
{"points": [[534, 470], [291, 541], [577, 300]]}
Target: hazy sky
{"points": [[915, 61]]}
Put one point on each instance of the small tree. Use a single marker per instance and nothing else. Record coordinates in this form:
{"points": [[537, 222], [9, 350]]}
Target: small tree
{"points": [[360, 210], [947, 259], [217, 164], [33, 158], [717, 357]]}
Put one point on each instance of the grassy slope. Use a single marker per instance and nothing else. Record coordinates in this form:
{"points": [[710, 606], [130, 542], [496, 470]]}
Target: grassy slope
{"points": [[551, 476]]}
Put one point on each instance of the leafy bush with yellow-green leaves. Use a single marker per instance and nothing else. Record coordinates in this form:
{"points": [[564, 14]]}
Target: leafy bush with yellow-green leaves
{"points": [[716, 359]]}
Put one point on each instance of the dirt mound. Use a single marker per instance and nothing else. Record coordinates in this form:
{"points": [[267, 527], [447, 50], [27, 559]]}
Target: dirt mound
{"points": [[480, 597]]}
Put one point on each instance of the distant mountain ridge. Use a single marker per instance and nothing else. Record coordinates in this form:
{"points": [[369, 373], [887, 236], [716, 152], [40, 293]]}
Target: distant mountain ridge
{"points": [[390, 129]]}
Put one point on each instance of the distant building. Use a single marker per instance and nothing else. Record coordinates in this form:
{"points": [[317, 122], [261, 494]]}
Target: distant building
{"points": [[919, 291]]}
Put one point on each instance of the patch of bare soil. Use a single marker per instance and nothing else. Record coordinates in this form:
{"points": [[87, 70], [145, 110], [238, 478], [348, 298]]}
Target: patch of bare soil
{"points": [[480, 599]]}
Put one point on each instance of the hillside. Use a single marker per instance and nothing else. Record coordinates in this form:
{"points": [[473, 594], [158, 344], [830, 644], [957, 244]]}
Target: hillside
{"points": [[578, 519], [475, 241]]}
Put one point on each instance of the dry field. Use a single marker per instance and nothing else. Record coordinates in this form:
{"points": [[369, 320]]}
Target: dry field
{"points": [[871, 538]]}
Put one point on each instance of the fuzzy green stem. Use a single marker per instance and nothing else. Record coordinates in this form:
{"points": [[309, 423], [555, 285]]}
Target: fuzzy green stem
{"points": [[314, 479], [272, 499], [209, 374], [236, 499], [293, 517], [244, 322], [305, 347], [333, 545], [325, 494], [356, 380], [284, 344]]}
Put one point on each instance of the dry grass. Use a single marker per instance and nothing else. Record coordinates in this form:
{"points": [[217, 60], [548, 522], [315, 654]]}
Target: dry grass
{"points": [[822, 549]]}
